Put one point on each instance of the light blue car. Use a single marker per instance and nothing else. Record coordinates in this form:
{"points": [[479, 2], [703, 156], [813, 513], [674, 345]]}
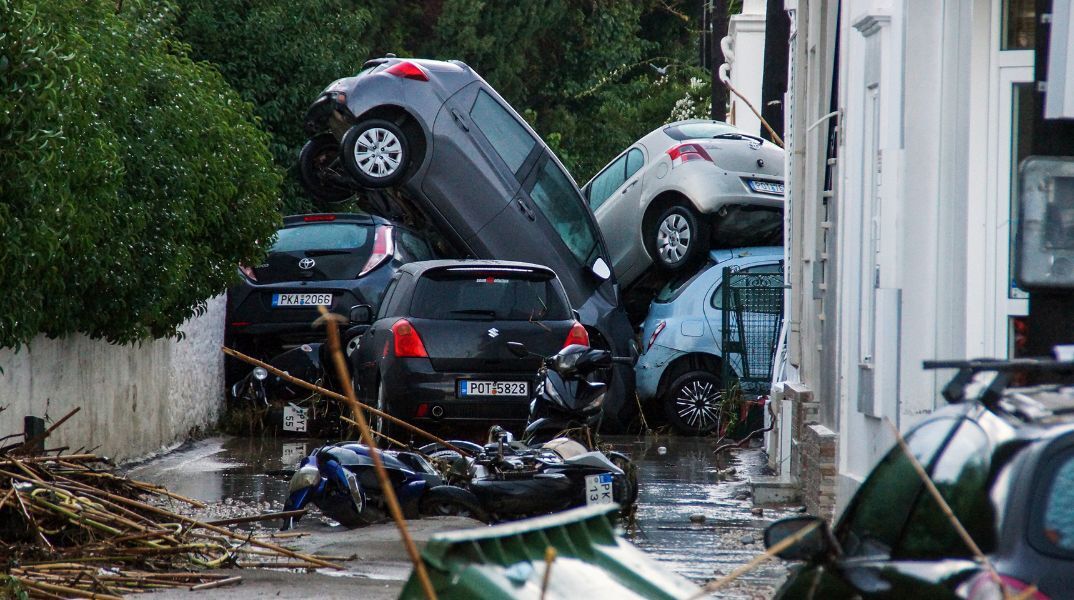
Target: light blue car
{"points": [[681, 337]]}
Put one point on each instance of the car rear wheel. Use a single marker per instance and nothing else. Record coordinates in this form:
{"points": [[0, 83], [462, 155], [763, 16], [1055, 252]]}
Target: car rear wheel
{"points": [[693, 403], [320, 171], [678, 238], [376, 153]]}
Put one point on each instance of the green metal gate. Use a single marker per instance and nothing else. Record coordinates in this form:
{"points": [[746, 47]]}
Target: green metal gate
{"points": [[752, 302]]}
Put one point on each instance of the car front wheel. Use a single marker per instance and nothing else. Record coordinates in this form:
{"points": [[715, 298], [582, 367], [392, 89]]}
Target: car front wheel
{"points": [[678, 238], [320, 172], [693, 403], [375, 153]]}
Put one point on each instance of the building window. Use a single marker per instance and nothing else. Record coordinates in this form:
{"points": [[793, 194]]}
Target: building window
{"points": [[1024, 108], [1019, 25]]}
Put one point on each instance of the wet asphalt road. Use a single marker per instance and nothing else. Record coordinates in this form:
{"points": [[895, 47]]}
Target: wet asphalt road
{"points": [[234, 475]]}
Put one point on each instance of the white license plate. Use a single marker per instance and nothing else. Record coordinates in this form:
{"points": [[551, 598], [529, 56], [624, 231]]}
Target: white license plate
{"points": [[302, 299], [598, 489], [469, 387], [766, 187], [294, 418]]}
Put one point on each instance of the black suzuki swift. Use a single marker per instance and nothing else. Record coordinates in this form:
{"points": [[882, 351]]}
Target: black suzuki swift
{"points": [[437, 352]]}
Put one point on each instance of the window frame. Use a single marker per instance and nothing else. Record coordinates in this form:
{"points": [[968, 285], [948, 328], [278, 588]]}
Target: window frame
{"points": [[527, 160], [547, 162]]}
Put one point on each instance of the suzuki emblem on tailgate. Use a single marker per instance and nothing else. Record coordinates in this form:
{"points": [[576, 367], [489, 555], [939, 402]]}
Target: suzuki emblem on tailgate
{"points": [[306, 263], [494, 332]]}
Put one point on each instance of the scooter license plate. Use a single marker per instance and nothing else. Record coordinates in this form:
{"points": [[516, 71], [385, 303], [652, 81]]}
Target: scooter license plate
{"points": [[294, 418], [598, 489]]}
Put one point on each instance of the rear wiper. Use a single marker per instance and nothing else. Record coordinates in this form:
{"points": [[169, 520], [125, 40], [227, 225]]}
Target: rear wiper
{"points": [[737, 136], [475, 311]]}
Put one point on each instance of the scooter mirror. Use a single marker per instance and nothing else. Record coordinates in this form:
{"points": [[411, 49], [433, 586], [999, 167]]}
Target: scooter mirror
{"points": [[518, 349]]}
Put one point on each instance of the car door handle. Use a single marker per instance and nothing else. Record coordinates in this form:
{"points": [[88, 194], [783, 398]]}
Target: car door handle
{"points": [[630, 185], [526, 210], [459, 120]]}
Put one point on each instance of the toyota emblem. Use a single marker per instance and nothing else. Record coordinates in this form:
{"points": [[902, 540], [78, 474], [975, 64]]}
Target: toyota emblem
{"points": [[306, 264]]}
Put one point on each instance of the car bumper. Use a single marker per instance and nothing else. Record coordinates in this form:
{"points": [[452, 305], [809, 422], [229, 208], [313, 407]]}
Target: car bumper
{"points": [[251, 312], [650, 369], [412, 382]]}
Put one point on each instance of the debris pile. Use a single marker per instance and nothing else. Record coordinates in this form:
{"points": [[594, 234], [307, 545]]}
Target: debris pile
{"points": [[71, 527]]}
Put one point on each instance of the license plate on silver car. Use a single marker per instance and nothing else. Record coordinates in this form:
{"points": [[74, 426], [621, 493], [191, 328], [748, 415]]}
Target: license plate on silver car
{"points": [[469, 387], [766, 187], [302, 300]]}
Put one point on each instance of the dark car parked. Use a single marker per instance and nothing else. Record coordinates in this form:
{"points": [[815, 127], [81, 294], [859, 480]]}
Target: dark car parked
{"points": [[1005, 466], [437, 352], [432, 143], [336, 260]]}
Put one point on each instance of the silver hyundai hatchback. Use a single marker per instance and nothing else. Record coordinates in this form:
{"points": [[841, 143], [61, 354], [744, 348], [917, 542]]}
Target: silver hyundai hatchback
{"points": [[684, 188]]}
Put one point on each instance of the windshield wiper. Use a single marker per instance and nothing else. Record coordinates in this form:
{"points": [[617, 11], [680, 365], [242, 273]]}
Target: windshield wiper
{"points": [[475, 311], [737, 136]]}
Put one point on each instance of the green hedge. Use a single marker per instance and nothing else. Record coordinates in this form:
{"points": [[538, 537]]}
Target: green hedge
{"points": [[132, 179]]}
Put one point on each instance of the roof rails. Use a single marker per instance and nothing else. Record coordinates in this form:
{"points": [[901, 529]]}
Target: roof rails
{"points": [[955, 390]]}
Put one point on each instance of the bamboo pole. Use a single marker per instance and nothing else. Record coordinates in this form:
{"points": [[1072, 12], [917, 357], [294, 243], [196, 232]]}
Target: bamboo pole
{"points": [[386, 487], [337, 396]]}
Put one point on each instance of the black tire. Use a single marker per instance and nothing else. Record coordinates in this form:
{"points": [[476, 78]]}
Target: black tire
{"points": [[451, 501], [678, 238], [693, 402], [630, 492], [320, 170], [376, 153]]}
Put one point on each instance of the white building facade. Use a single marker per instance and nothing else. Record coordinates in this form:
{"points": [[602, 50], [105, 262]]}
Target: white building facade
{"points": [[906, 121]]}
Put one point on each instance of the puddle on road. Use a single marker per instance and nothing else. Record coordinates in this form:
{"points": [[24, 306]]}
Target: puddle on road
{"points": [[234, 474]]}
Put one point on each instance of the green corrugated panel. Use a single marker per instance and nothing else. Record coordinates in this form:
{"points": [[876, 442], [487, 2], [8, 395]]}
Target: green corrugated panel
{"points": [[507, 561]]}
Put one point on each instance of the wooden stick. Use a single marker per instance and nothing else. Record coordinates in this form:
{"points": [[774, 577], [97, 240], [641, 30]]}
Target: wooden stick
{"points": [[337, 396], [66, 591], [787, 542], [549, 558], [44, 434], [376, 433], [386, 487], [217, 583], [261, 517]]}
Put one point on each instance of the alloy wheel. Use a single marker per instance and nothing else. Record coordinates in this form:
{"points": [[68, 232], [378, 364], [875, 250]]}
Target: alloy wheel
{"points": [[673, 238], [378, 152], [698, 404]]}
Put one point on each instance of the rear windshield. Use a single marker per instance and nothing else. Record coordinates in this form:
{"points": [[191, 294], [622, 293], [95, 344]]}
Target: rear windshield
{"points": [[676, 286], [322, 236], [489, 296], [693, 131]]}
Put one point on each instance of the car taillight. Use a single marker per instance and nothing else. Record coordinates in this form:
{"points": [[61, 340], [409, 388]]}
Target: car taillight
{"points": [[407, 341], [984, 587], [578, 335], [248, 272], [318, 218], [383, 249], [686, 152], [407, 70], [656, 332]]}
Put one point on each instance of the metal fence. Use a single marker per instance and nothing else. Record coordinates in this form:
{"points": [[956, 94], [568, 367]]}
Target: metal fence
{"points": [[752, 304]]}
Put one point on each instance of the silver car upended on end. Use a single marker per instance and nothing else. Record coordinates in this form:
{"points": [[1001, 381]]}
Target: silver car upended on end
{"points": [[684, 188]]}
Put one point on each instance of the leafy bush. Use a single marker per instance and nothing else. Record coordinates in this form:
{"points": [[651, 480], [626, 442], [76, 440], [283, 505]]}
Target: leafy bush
{"points": [[132, 179]]}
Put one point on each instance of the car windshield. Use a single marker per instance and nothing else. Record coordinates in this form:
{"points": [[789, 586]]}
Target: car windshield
{"points": [[558, 199], [491, 295], [693, 131], [322, 236]]}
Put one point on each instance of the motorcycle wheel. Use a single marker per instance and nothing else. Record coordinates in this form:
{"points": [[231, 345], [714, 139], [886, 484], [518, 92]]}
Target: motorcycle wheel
{"points": [[451, 501], [319, 169], [628, 467]]}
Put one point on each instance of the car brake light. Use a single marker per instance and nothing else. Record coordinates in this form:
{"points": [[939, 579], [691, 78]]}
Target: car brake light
{"points": [[984, 587], [656, 332], [422, 411], [407, 70], [407, 341], [686, 152], [248, 272], [578, 335], [383, 249], [315, 218]]}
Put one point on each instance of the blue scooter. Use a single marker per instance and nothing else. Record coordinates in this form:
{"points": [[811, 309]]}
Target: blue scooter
{"points": [[340, 480]]}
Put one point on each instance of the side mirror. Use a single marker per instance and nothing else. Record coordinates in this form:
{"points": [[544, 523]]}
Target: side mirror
{"points": [[601, 269], [518, 349], [361, 314], [812, 546]]}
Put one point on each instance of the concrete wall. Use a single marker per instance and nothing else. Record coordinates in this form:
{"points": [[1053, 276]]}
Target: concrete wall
{"points": [[135, 399]]}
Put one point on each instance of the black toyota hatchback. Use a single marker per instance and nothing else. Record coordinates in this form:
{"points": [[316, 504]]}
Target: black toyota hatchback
{"points": [[437, 355], [1004, 462], [336, 260]]}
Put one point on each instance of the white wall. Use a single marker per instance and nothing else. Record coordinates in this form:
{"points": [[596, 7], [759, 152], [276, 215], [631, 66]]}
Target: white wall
{"points": [[747, 30], [135, 399]]}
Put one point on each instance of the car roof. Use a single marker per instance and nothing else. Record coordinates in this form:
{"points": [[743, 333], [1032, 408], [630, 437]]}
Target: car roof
{"points": [[312, 218], [418, 269]]}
